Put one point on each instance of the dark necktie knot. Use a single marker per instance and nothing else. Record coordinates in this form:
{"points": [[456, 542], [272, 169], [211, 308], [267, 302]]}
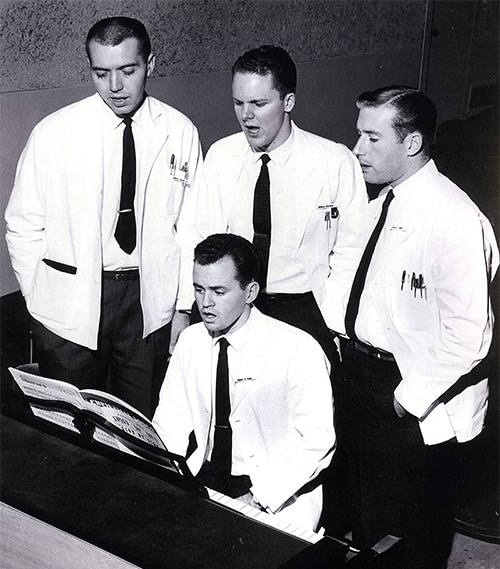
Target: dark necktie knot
{"points": [[265, 159], [388, 199], [223, 343]]}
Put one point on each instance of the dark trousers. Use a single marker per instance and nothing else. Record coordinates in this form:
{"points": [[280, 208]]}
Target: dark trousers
{"points": [[124, 364], [301, 311], [398, 485]]}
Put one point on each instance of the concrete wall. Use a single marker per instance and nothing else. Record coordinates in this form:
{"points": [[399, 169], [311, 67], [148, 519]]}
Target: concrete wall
{"points": [[341, 48]]}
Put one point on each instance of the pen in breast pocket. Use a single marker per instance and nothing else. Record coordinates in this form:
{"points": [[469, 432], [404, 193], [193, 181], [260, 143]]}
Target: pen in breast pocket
{"points": [[172, 164], [403, 278], [413, 285], [185, 170]]}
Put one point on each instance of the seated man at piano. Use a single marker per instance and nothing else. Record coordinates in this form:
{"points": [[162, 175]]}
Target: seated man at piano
{"points": [[247, 398]]}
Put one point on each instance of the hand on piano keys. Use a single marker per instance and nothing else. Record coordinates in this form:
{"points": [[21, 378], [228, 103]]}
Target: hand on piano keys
{"points": [[265, 518]]}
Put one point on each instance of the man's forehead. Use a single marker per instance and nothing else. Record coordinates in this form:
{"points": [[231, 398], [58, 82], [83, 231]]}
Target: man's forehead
{"points": [[376, 119], [127, 48], [250, 78], [223, 270]]}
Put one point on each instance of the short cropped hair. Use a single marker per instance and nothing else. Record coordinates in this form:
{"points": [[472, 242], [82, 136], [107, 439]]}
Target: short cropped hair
{"points": [[112, 31], [273, 60], [216, 247], [415, 111]]}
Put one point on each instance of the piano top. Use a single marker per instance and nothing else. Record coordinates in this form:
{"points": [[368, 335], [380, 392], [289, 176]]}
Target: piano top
{"points": [[130, 509]]}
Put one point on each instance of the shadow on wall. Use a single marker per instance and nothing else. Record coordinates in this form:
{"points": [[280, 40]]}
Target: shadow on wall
{"points": [[467, 151]]}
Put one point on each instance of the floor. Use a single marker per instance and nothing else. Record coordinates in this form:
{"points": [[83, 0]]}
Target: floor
{"points": [[469, 553]]}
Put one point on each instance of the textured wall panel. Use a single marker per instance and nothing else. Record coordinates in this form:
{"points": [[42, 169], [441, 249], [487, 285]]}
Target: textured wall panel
{"points": [[42, 41]]}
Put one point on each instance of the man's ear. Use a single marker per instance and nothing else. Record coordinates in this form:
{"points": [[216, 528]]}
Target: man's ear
{"points": [[414, 143], [151, 63], [253, 291], [289, 102]]}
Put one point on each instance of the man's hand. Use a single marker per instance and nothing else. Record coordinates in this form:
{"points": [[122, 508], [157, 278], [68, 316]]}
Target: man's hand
{"points": [[400, 411], [250, 500], [179, 322]]}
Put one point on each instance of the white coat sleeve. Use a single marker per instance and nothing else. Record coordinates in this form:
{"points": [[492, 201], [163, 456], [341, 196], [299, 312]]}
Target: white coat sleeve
{"points": [[25, 213], [352, 227], [310, 439], [461, 272], [172, 418], [190, 223]]}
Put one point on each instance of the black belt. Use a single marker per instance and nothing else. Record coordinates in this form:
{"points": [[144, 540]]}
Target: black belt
{"points": [[130, 275], [372, 352], [283, 295]]}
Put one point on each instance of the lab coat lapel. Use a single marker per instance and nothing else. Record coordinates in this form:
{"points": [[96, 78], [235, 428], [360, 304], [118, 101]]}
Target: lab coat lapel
{"points": [[154, 138], [253, 360], [235, 202], [308, 183], [397, 231]]}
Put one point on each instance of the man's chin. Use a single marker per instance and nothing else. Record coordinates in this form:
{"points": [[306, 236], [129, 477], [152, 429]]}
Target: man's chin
{"points": [[211, 327]]}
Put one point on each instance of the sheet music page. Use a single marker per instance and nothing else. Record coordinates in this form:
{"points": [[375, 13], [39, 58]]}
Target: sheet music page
{"points": [[116, 412], [62, 418], [44, 388], [122, 416]]}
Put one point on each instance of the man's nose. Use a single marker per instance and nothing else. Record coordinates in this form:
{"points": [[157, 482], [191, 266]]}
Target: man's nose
{"points": [[207, 299], [247, 112], [115, 83], [358, 148]]}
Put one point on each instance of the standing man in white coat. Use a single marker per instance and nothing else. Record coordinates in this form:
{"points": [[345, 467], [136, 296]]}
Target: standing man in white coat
{"points": [[279, 414], [100, 224], [420, 322], [316, 194]]}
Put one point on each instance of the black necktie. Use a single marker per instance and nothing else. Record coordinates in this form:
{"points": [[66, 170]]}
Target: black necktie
{"points": [[222, 450], [262, 219], [125, 232], [360, 276]]}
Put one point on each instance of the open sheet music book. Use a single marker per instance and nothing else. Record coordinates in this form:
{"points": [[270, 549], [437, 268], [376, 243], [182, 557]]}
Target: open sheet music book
{"points": [[95, 415]]}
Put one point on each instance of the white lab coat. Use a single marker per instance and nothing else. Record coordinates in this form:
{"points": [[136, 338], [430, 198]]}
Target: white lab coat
{"points": [[281, 415], [322, 176], [441, 332], [55, 213]]}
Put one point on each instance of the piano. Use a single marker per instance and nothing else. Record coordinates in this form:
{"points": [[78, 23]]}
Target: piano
{"points": [[145, 515]]}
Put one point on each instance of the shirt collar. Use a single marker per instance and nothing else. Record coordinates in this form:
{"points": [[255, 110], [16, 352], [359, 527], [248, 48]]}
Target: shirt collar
{"points": [[413, 187], [141, 115], [279, 155], [238, 338]]}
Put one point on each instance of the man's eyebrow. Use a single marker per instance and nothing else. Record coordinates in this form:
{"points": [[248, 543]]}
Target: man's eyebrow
{"points": [[215, 287], [369, 131], [261, 100], [97, 68]]}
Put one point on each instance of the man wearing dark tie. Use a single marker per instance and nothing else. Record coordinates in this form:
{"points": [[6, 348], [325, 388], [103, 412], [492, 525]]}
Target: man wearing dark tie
{"points": [[298, 197], [419, 323], [247, 398], [101, 223]]}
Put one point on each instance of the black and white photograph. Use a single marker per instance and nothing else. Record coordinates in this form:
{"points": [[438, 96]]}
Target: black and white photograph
{"points": [[248, 284]]}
